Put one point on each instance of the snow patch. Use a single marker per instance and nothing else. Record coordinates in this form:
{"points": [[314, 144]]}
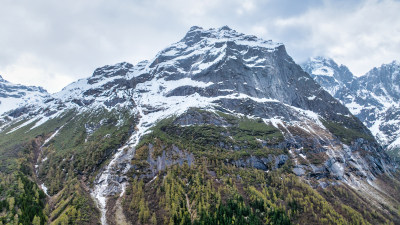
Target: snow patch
{"points": [[44, 188], [311, 97]]}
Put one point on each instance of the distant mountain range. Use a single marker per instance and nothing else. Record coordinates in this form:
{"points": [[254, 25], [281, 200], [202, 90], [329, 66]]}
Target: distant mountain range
{"points": [[14, 95], [374, 97]]}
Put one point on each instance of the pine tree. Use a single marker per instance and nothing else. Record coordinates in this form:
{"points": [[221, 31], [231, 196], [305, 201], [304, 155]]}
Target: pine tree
{"points": [[153, 219], [16, 219], [11, 202], [36, 220], [63, 220]]}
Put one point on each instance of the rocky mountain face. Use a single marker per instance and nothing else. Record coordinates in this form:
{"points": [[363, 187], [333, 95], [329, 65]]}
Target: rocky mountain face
{"points": [[373, 97], [218, 112]]}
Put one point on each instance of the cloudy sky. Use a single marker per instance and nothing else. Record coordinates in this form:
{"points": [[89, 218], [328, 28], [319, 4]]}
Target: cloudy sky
{"points": [[51, 44]]}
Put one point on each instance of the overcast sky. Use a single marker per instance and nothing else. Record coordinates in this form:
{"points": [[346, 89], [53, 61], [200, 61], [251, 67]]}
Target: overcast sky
{"points": [[51, 44]]}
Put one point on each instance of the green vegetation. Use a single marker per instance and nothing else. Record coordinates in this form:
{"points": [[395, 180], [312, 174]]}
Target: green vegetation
{"points": [[188, 196], [347, 131], [72, 205], [21, 199], [20, 142], [241, 139], [73, 153], [211, 192]]}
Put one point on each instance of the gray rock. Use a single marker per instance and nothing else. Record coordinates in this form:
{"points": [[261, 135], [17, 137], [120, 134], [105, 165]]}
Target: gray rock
{"points": [[195, 117], [299, 171]]}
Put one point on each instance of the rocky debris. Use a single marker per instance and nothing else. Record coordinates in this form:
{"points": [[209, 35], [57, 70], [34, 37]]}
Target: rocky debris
{"points": [[196, 117], [299, 171], [335, 168], [168, 157], [270, 163]]}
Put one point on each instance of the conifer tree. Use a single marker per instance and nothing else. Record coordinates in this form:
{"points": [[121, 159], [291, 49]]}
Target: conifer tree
{"points": [[36, 220]]}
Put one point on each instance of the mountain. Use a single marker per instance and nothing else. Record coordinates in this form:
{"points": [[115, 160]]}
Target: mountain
{"points": [[328, 74], [219, 127], [16, 95], [373, 97]]}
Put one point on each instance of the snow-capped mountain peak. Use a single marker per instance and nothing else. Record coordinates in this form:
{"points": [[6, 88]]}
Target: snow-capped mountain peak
{"points": [[201, 48], [322, 66], [214, 35], [13, 96], [373, 98], [328, 73]]}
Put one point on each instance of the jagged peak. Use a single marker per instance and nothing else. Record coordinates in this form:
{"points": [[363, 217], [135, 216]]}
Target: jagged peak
{"points": [[320, 66], [30, 88], [393, 63], [198, 28], [322, 59], [327, 67], [196, 34], [142, 63], [327, 61], [225, 28], [110, 70], [193, 28]]}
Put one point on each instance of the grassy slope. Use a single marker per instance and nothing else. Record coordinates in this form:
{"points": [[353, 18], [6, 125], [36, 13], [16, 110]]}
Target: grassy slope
{"points": [[240, 139]]}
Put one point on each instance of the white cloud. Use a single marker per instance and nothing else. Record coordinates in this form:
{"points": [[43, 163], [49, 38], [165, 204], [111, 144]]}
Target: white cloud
{"points": [[31, 71], [50, 44], [360, 37]]}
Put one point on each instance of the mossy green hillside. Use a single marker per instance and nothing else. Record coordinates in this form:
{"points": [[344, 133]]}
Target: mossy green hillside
{"points": [[15, 143], [348, 130], [243, 137]]}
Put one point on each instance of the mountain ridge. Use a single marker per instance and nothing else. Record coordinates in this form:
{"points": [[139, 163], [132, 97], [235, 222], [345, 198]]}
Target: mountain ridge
{"points": [[16, 95], [373, 98]]}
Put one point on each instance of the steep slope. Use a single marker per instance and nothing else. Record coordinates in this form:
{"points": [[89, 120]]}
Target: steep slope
{"points": [[373, 97], [383, 83], [218, 112]]}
